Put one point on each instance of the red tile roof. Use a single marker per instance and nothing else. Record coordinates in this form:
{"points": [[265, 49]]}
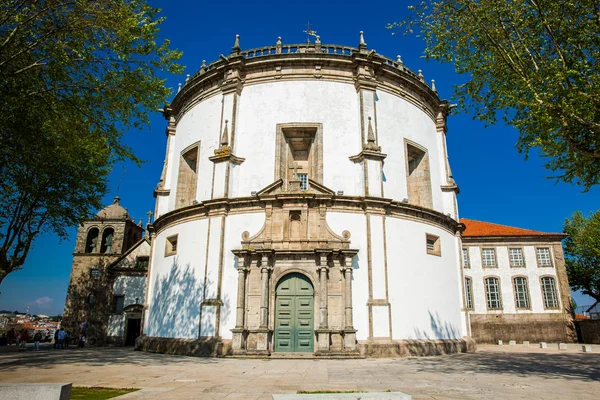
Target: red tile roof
{"points": [[487, 229]]}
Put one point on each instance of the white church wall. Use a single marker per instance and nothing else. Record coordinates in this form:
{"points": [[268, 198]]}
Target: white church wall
{"points": [[506, 273], [177, 282], [132, 287], [333, 104], [236, 224], [398, 120], [116, 325], [424, 289], [201, 123], [356, 224]]}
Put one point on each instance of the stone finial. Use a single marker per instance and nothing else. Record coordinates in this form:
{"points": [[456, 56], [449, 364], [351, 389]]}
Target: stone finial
{"points": [[225, 136], [318, 40], [421, 76], [117, 200], [203, 67], [187, 78], [362, 44], [433, 85], [399, 60], [278, 45], [236, 46], [149, 214], [178, 87], [371, 145], [140, 222]]}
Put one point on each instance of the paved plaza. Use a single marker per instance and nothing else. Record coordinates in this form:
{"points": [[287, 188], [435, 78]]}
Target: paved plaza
{"points": [[494, 372]]}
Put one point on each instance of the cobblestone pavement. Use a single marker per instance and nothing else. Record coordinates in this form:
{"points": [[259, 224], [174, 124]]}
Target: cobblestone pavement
{"points": [[494, 372]]}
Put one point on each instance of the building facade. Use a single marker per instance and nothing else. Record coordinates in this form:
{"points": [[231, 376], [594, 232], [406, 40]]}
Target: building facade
{"points": [[306, 205], [515, 284], [108, 278]]}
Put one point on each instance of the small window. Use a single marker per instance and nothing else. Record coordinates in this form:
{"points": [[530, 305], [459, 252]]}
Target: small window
{"points": [[468, 293], [91, 300], [94, 273], [433, 245], [303, 181], [549, 292], [492, 291], [515, 256], [119, 302], [171, 246], [142, 262], [543, 257], [521, 292], [488, 257], [465, 258]]}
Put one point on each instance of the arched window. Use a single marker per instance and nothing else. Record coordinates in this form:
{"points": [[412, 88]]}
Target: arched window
{"points": [[549, 292], [492, 292], [91, 243], [521, 292], [468, 293], [107, 240]]}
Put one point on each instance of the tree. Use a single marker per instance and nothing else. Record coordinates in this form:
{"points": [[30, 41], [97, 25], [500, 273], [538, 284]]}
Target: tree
{"points": [[582, 253], [74, 76], [535, 63]]}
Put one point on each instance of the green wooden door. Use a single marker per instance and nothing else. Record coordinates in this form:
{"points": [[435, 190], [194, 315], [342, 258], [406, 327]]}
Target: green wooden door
{"points": [[294, 312]]}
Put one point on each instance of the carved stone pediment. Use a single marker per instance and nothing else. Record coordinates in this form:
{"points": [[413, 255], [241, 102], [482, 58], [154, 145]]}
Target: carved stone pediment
{"points": [[296, 222], [313, 187]]}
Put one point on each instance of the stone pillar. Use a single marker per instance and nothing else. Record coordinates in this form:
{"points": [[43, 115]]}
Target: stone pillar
{"points": [[263, 332], [238, 332], [323, 332], [349, 331]]}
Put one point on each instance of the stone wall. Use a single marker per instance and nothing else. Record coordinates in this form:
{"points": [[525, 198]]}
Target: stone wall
{"points": [[532, 327], [590, 331], [208, 347], [407, 348]]}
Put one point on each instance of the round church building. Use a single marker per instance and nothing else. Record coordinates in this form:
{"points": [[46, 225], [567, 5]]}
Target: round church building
{"points": [[306, 205]]}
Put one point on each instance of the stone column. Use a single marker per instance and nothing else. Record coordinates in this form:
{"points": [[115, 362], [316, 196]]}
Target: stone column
{"points": [[238, 332], [349, 331], [323, 332], [263, 332]]}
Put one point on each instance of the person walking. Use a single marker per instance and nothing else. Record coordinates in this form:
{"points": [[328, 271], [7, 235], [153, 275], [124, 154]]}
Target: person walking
{"points": [[56, 339], [19, 338], [36, 339], [24, 339], [61, 338], [10, 336]]}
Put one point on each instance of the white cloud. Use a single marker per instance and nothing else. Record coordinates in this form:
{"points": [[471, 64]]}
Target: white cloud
{"points": [[43, 302]]}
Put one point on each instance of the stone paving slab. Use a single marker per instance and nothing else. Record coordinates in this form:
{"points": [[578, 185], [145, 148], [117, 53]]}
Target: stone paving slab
{"points": [[494, 372]]}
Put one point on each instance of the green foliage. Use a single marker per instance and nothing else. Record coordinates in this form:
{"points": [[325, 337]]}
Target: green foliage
{"points": [[582, 253], [98, 393], [535, 63], [74, 76]]}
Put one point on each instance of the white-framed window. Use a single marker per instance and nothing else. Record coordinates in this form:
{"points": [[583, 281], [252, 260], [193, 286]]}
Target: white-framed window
{"points": [[465, 258], [521, 292], [492, 291], [488, 257], [303, 181], [468, 293], [549, 292], [543, 257], [515, 255]]}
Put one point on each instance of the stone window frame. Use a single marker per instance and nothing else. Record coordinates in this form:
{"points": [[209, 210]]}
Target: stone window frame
{"points": [[87, 239], [437, 246], [94, 273], [522, 256], [466, 261], [481, 249], [485, 286], [281, 151], [169, 241], [551, 256], [101, 238], [556, 294], [527, 292], [469, 301], [181, 159], [408, 142]]}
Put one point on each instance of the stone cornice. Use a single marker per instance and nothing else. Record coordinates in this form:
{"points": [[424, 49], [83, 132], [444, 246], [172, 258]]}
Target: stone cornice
{"points": [[334, 203], [367, 70], [549, 238]]}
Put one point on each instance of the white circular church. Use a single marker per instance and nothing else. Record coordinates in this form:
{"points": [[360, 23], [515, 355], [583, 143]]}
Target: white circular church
{"points": [[306, 205]]}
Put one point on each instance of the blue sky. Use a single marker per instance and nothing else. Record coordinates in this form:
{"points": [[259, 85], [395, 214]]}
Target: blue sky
{"points": [[496, 183]]}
